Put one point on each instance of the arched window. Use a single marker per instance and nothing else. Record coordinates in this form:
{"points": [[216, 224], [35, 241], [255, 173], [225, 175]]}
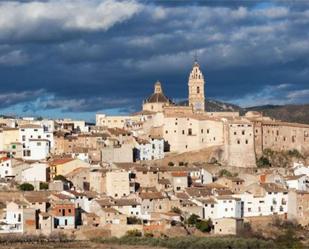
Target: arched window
{"points": [[198, 89]]}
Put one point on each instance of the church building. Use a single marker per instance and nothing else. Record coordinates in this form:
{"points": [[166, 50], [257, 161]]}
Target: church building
{"points": [[158, 102]]}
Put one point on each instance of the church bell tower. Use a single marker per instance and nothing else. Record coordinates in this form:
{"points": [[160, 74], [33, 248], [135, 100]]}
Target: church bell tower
{"points": [[196, 89]]}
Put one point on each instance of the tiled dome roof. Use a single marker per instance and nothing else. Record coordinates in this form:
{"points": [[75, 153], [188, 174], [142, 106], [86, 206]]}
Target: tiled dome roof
{"points": [[158, 96]]}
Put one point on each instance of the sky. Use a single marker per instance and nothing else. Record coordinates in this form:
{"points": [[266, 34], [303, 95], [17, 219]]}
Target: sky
{"points": [[76, 58]]}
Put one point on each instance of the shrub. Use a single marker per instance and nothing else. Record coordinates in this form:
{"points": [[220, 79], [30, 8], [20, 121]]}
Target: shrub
{"points": [[134, 233], [43, 185], [176, 210], [295, 153], [204, 226], [193, 219], [171, 164], [148, 235], [26, 187], [263, 162], [133, 220], [224, 172]]}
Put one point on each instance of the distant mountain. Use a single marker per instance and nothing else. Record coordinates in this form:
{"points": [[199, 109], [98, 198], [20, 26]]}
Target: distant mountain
{"points": [[287, 113], [218, 106]]}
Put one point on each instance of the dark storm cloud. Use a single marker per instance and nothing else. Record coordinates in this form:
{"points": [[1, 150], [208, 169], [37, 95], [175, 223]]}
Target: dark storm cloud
{"points": [[86, 56]]}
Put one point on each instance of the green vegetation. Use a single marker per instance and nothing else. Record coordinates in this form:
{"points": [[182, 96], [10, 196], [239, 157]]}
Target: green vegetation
{"points": [[225, 172], [282, 159], [289, 240], [176, 210], [263, 162], [204, 226], [43, 185], [192, 242], [133, 233], [26, 187], [60, 178]]}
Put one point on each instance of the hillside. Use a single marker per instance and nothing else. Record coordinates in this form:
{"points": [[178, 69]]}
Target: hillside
{"points": [[287, 113]]}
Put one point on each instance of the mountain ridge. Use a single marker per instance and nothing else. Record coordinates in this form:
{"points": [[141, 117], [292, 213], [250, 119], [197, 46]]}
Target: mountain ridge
{"points": [[296, 113]]}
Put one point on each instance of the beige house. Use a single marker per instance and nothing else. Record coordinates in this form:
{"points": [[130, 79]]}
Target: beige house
{"points": [[65, 166], [154, 202], [228, 226], [235, 184], [46, 223], [122, 153], [180, 180], [117, 183], [97, 180]]}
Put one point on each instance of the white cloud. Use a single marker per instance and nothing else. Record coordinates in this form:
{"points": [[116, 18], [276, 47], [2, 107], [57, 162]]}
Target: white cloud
{"points": [[274, 95], [299, 94], [21, 19], [14, 58]]}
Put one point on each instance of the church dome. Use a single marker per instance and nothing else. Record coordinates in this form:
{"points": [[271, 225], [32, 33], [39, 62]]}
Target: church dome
{"points": [[158, 96]]}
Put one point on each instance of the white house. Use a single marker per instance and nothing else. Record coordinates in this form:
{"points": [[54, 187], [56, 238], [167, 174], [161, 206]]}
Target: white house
{"points": [[36, 141], [152, 149], [36, 172], [5, 167], [264, 200], [17, 216], [300, 169], [207, 177], [38, 149], [218, 207], [298, 182]]}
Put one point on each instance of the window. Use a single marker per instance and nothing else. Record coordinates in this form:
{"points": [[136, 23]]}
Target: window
{"points": [[198, 89], [202, 131], [243, 132], [189, 131], [246, 141]]}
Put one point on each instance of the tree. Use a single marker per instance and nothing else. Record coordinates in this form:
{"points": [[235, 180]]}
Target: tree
{"points": [[193, 219], [60, 178], [204, 226], [224, 172], [263, 162], [43, 185], [26, 187]]}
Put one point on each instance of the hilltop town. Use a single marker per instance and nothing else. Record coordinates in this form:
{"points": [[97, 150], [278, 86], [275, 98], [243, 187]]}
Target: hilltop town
{"points": [[170, 169]]}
